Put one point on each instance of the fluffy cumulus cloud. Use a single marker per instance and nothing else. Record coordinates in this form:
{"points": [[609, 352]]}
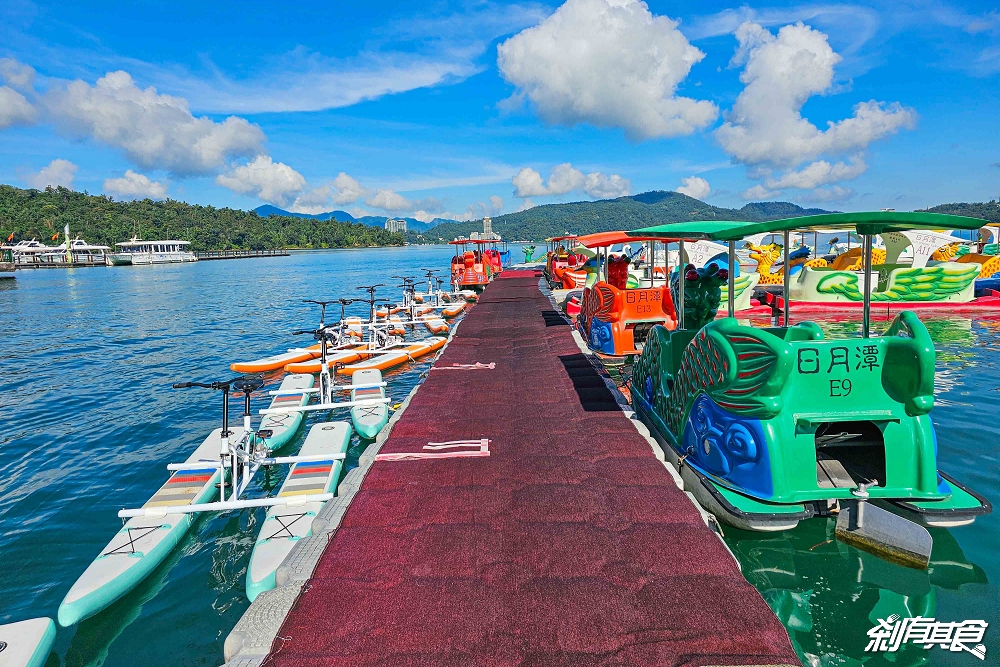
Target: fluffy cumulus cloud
{"points": [[611, 63], [15, 109], [348, 190], [135, 186], [528, 183], [695, 186], [389, 200], [756, 192], [599, 186], [154, 131], [58, 172], [496, 204], [765, 129], [17, 74], [566, 178], [274, 182]]}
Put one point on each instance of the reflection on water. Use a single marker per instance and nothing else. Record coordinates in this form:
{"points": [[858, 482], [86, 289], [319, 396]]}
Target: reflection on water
{"points": [[88, 423], [828, 595]]}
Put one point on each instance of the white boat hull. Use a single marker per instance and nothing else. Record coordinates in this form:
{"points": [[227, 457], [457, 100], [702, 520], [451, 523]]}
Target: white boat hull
{"points": [[144, 542], [285, 525]]}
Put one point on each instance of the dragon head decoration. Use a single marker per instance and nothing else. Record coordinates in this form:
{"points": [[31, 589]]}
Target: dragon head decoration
{"points": [[702, 293]]}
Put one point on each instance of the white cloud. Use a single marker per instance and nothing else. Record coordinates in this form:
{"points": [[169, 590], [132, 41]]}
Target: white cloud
{"points": [[312, 201], [389, 200], [781, 73], [834, 193], [15, 109], [16, 74], [154, 131], [695, 186], [528, 183], [525, 205], [819, 173], [600, 186], [348, 189], [765, 129], [496, 204], [58, 172], [135, 186], [758, 192], [271, 181], [566, 178], [610, 63]]}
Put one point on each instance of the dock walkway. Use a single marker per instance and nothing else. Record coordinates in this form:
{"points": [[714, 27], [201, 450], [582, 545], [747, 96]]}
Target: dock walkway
{"points": [[570, 544]]}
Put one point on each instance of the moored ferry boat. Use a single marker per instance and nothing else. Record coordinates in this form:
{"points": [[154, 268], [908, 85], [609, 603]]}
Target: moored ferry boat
{"points": [[136, 251], [76, 252]]}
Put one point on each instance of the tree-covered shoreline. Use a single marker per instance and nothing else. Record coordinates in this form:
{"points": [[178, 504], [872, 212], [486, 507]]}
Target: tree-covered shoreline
{"points": [[100, 220]]}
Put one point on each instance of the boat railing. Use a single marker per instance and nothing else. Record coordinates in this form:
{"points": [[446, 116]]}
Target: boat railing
{"points": [[239, 254]]}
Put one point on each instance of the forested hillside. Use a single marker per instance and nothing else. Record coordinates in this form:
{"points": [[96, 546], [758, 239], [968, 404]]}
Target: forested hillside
{"points": [[100, 220], [989, 210], [643, 210]]}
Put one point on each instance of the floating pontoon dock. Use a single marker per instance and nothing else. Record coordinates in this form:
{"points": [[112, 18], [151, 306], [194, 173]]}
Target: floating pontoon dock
{"points": [[514, 515]]}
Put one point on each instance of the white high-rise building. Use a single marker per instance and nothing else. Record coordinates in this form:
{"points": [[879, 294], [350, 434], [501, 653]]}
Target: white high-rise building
{"points": [[395, 226], [487, 227]]}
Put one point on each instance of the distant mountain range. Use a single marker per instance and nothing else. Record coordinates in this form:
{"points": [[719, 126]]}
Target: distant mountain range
{"points": [[586, 217], [343, 216]]}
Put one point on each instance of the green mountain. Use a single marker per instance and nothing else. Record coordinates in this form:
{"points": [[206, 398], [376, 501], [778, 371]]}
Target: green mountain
{"points": [[586, 217], [989, 210], [100, 220]]}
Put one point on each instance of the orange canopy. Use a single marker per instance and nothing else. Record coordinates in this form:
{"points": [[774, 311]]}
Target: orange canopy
{"points": [[604, 239]]}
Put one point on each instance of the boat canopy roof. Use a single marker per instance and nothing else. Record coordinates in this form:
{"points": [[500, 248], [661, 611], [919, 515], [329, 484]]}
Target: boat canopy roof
{"points": [[135, 243], [872, 223], [605, 239], [476, 241]]}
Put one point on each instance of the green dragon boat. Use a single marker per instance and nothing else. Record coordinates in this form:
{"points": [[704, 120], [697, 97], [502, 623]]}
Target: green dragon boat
{"points": [[770, 426]]}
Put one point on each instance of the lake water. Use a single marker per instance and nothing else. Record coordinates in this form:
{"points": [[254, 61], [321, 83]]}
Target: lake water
{"points": [[88, 421]]}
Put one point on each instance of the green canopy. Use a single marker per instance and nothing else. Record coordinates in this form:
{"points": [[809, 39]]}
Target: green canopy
{"points": [[864, 223]]}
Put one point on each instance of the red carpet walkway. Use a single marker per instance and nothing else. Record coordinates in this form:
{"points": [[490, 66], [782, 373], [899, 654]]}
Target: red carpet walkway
{"points": [[569, 545]]}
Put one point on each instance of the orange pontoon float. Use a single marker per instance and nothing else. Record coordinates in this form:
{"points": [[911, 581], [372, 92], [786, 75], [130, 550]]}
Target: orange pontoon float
{"points": [[615, 319]]}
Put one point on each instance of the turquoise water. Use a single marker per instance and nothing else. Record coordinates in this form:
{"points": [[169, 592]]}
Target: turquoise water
{"points": [[88, 422], [829, 595]]}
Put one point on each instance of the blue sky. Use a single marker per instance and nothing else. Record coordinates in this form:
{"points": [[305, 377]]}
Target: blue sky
{"points": [[460, 109]]}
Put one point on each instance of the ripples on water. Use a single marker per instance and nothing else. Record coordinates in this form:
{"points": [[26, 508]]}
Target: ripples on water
{"points": [[88, 422]]}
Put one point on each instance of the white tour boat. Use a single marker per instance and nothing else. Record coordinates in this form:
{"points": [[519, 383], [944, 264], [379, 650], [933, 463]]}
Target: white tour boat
{"points": [[152, 252]]}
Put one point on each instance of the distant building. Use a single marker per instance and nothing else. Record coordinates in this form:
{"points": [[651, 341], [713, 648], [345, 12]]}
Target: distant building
{"points": [[487, 227], [395, 226]]}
